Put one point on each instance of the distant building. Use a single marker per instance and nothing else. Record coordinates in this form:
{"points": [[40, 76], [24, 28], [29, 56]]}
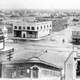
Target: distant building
{"points": [[31, 30], [58, 24], [70, 34], [74, 33], [73, 21], [32, 68]]}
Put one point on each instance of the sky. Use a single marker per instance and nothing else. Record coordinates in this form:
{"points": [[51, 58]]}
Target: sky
{"points": [[40, 4]]}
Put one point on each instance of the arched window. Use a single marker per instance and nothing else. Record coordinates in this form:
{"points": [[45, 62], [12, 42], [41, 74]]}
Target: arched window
{"points": [[19, 27], [32, 28], [35, 72], [28, 28], [15, 27]]}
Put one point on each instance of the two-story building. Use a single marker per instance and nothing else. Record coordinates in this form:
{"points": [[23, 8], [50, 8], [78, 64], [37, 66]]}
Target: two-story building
{"points": [[31, 30], [74, 33]]}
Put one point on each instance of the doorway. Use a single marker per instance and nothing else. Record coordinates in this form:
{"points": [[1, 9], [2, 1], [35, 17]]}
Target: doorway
{"points": [[23, 35], [35, 72]]}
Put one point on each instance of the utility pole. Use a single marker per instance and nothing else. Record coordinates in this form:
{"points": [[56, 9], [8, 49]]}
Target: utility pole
{"points": [[10, 54], [43, 52]]}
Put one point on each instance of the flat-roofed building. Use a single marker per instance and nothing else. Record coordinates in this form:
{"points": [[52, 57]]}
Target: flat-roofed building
{"points": [[74, 34], [31, 30]]}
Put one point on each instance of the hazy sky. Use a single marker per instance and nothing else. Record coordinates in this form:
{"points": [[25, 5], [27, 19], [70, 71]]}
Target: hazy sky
{"points": [[40, 4]]}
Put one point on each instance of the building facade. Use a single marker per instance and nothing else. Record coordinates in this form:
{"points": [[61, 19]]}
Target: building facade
{"points": [[31, 30], [33, 68], [74, 32], [72, 65]]}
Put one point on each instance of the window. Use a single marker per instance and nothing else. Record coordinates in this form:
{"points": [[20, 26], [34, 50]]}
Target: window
{"points": [[10, 29], [45, 72], [28, 73], [17, 33], [0, 29], [1, 37], [28, 28], [22, 72], [41, 27], [50, 25], [37, 28], [24, 27], [15, 27], [31, 34], [78, 69], [44, 26], [47, 26], [19, 27], [32, 28]]}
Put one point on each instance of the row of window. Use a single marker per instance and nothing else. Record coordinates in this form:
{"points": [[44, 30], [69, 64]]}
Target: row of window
{"points": [[75, 32], [51, 73], [23, 72], [31, 28], [15, 27]]}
